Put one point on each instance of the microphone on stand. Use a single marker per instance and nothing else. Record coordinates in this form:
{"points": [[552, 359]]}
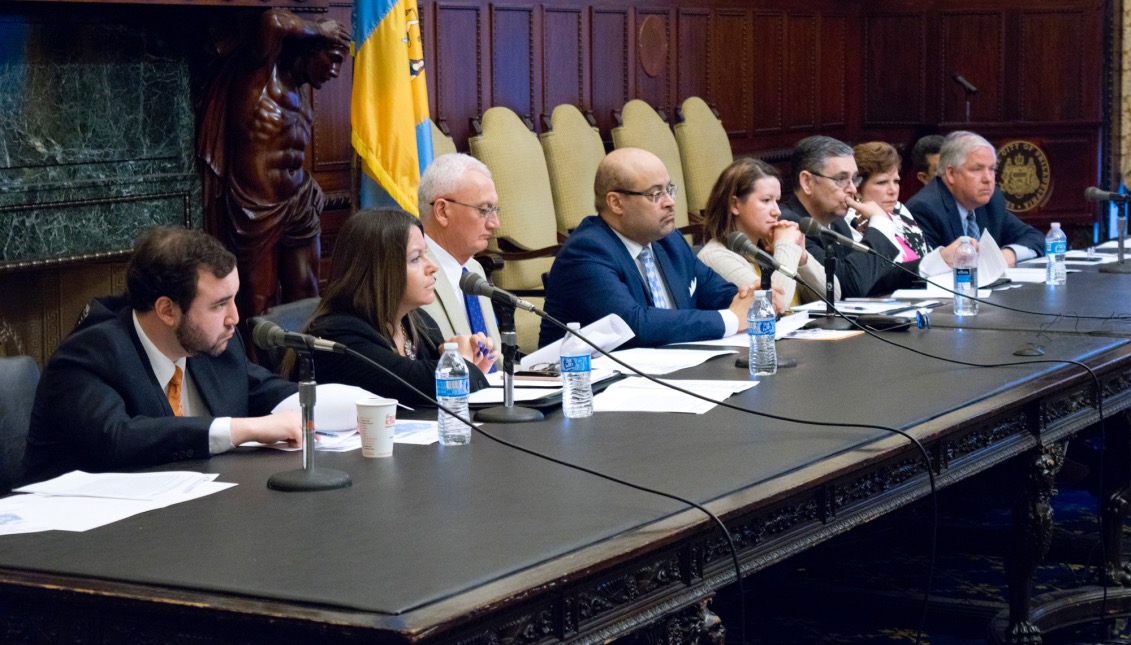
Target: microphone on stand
{"points": [[474, 284], [966, 85], [1094, 194], [741, 244], [832, 319], [267, 335]]}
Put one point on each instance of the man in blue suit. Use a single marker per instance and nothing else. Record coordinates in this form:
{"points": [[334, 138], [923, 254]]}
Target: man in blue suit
{"points": [[165, 379], [965, 200], [629, 260]]}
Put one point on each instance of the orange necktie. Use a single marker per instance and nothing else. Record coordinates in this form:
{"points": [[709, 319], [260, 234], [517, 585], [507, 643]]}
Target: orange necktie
{"points": [[173, 391]]}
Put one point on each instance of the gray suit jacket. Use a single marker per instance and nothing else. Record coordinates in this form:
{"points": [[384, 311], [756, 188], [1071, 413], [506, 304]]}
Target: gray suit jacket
{"points": [[448, 310]]}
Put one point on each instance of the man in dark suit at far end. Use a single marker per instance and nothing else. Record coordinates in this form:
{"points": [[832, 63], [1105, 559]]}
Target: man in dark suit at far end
{"points": [[165, 379], [964, 200], [630, 260]]}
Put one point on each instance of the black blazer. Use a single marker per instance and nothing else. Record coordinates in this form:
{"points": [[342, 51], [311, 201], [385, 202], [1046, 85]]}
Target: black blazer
{"points": [[360, 336], [99, 406], [860, 274]]}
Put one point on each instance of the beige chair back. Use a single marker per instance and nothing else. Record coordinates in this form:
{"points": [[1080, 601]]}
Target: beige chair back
{"points": [[527, 221], [704, 149], [442, 144], [643, 128], [573, 150]]}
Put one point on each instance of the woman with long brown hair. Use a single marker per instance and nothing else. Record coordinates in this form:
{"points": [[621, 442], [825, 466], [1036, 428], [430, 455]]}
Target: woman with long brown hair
{"points": [[745, 199], [379, 278]]}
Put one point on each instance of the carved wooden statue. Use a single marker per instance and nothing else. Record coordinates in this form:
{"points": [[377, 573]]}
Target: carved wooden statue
{"points": [[254, 127]]}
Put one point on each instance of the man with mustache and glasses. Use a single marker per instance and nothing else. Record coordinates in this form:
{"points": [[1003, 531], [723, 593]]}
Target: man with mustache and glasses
{"points": [[824, 188], [164, 379]]}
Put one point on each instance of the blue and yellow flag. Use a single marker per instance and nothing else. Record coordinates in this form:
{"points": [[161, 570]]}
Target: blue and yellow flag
{"points": [[389, 106]]}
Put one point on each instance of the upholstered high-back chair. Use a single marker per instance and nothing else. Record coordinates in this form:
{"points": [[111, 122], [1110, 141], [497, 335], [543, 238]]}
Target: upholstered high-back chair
{"points": [[19, 377], [573, 150], [291, 316], [527, 237], [442, 142], [704, 149], [642, 127]]}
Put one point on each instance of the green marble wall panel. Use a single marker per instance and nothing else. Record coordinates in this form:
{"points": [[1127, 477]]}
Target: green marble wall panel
{"points": [[96, 137]]}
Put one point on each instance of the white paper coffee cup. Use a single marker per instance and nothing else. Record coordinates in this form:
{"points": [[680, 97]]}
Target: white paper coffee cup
{"points": [[376, 417]]}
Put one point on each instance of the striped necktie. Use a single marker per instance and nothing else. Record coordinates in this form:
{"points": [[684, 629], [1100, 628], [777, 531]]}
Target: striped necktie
{"points": [[972, 226], [659, 297]]}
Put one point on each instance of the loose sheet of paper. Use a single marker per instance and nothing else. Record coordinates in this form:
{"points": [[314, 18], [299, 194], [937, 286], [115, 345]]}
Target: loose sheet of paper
{"points": [[637, 394], [659, 361], [607, 333]]}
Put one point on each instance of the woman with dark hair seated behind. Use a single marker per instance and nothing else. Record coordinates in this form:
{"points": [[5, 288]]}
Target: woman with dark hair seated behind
{"points": [[379, 279], [745, 199]]}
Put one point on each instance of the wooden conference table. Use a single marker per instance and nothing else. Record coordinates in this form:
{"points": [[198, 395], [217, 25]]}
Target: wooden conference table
{"points": [[485, 544]]}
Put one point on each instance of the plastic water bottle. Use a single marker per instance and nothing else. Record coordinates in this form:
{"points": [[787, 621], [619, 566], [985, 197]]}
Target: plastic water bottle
{"points": [[966, 278], [761, 326], [1056, 246], [577, 395], [452, 389]]}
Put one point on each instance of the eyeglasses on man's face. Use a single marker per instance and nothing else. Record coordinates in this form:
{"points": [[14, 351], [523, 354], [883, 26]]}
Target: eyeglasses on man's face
{"points": [[484, 211], [841, 181], [654, 196]]}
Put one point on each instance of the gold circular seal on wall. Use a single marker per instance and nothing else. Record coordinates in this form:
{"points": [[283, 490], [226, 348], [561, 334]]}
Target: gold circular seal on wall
{"points": [[1023, 175]]}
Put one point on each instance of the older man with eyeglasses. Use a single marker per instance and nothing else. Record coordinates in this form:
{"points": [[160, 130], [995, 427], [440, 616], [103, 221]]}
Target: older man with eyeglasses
{"points": [[459, 209], [824, 188], [630, 260]]}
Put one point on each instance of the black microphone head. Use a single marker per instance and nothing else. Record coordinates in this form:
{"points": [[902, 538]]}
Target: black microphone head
{"points": [[810, 226], [737, 242], [1094, 194], [267, 334], [474, 284]]}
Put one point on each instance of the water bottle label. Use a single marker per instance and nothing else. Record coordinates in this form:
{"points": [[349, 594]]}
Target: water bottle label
{"points": [[452, 387], [575, 363], [962, 277], [1059, 246], [762, 327]]}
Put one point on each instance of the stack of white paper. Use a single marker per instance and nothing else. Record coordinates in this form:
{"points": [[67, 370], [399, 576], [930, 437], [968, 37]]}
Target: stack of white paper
{"points": [[81, 501]]}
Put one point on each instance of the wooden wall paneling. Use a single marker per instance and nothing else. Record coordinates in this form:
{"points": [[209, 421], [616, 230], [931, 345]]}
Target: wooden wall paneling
{"points": [[895, 62], [800, 95], [973, 44], [513, 64], [563, 65], [1073, 168], [833, 69], [768, 83], [458, 67], [696, 66], [655, 56], [611, 56], [1050, 65], [731, 81]]}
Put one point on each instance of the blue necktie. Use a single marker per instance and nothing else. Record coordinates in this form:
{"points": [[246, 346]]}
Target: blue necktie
{"points": [[659, 298], [475, 315], [972, 226]]}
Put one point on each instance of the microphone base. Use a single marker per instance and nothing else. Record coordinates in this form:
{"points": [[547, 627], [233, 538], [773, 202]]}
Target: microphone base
{"points": [[1115, 267], [832, 323], [300, 479], [512, 414]]}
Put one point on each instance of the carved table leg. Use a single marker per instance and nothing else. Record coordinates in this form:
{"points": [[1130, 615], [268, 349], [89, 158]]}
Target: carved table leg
{"points": [[1115, 491], [1030, 538], [695, 625]]}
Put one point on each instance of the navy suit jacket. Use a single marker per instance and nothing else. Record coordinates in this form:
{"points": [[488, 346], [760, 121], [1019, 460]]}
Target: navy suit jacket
{"points": [[99, 406], [936, 212], [594, 276], [860, 274]]}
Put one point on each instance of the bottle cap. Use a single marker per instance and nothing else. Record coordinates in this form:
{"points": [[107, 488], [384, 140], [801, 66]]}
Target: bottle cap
{"points": [[451, 347], [574, 326], [760, 293], [1055, 225]]}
